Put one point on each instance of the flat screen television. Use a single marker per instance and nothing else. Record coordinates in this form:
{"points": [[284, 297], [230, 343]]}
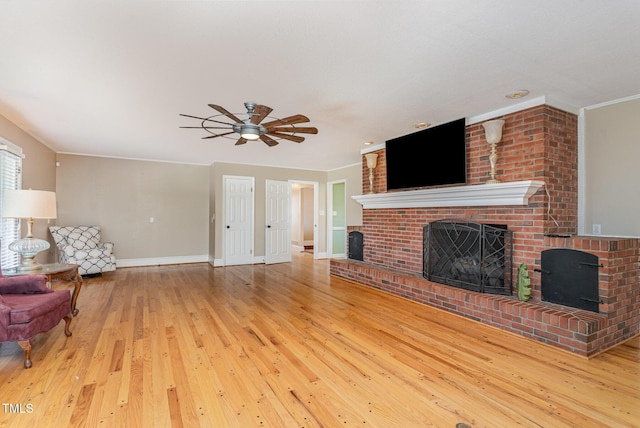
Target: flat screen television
{"points": [[435, 156]]}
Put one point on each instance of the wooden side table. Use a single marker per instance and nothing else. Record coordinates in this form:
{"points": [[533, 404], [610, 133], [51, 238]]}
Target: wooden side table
{"points": [[56, 272]]}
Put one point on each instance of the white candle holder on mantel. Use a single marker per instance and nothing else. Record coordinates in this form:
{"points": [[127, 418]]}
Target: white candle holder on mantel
{"points": [[493, 134]]}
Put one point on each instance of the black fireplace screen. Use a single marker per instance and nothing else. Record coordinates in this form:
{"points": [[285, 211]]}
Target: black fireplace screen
{"points": [[468, 255]]}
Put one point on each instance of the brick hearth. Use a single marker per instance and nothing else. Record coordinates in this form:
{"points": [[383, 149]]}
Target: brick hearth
{"points": [[538, 144]]}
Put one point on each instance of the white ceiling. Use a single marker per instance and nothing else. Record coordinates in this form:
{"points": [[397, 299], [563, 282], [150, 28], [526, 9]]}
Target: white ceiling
{"points": [[109, 78]]}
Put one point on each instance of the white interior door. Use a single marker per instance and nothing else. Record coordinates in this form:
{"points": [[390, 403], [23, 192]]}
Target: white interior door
{"points": [[277, 222], [238, 221]]}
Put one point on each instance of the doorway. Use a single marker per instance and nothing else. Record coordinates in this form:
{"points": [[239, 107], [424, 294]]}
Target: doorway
{"points": [[304, 217]]}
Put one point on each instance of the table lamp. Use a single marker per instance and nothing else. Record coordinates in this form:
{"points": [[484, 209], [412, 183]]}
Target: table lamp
{"points": [[29, 204]]}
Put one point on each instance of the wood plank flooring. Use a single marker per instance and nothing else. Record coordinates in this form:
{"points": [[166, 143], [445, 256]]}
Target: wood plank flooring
{"points": [[289, 346]]}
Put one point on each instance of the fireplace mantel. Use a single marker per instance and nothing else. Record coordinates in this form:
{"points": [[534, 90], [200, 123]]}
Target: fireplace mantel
{"points": [[511, 193]]}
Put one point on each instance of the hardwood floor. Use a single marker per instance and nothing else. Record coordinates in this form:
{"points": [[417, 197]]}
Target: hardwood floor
{"points": [[289, 346]]}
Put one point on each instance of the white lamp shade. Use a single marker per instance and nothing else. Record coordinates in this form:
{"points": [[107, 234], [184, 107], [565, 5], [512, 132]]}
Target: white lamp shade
{"points": [[493, 130], [372, 160], [29, 204]]}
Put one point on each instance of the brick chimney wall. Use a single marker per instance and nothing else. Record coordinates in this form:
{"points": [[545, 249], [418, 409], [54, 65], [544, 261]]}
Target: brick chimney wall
{"points": [[539, 143]]}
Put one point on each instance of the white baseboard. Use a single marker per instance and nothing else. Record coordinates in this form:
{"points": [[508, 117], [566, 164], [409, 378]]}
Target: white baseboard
{"points": [[258, 260], [220, 262], [155, 261]]}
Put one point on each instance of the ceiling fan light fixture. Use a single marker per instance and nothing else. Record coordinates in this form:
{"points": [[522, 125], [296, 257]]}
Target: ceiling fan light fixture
{"points": [[250, 132]]}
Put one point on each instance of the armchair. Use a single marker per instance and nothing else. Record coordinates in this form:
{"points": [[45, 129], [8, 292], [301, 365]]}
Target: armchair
{"points": [[28, 307], [81, 245]]}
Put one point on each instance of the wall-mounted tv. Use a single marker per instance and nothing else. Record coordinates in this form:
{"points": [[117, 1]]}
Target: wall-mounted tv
{"points": [[432, 157]]}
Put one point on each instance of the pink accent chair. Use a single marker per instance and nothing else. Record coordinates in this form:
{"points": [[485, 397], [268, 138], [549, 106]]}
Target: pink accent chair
{"points": [[28, 307]]}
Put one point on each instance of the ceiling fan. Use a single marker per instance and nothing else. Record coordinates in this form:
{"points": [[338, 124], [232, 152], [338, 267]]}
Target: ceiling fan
{"points": [[251, 128]]}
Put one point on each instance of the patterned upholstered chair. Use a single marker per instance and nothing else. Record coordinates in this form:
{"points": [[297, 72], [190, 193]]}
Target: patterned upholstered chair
{"points": [[81, 245]]}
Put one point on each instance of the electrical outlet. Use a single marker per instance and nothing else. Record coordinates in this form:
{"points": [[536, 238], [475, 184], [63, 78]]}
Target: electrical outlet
{"points": [[596, 229]]}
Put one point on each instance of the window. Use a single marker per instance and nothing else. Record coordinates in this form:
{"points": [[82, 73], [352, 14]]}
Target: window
{"points": [[10, 178]]}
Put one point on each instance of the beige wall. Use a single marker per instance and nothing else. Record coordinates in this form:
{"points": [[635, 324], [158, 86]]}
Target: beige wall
{"points": [[122, 195], [353, 176], [38, 173], [211, 215], [611, 153]]}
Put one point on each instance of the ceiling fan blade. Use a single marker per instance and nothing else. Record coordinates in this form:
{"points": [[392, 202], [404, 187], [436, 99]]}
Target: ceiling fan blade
{"points": [[291, 120], [205, 118], [259, 113], [241, 141], [268, 140], [295, 138], [218, 135], [205, 127], [225, 112], [296, 130]]}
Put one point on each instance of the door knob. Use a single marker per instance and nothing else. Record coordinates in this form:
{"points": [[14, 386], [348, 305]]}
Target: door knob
{"points": [[228, 227], [268, 226]]}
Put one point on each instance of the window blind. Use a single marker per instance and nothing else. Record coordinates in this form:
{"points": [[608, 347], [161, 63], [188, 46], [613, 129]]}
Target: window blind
{"points": [[10, 178]]}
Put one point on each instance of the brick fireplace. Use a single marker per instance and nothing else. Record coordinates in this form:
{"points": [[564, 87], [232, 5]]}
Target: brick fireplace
{"points": [[539, 145]]}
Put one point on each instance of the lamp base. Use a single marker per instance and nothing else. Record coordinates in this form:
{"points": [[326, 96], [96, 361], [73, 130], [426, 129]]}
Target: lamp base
{"points": [[28, 248], [28, 265]]}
